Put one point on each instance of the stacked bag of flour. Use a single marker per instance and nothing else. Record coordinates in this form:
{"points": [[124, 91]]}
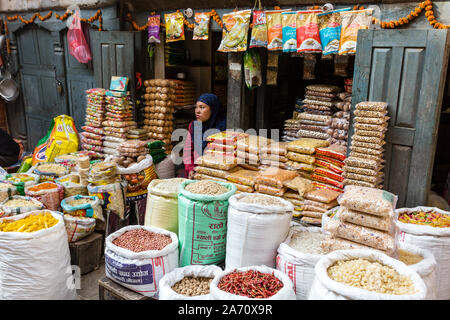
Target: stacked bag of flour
{"points": [[158, 111], [366, 218], [271, 181], [316, 203], [300, 154], [249, 149], [93, 135], [328, 171], [364, 165], [118, 121]]}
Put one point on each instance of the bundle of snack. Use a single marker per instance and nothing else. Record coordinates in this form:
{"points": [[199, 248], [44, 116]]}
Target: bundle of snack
{"points": [[364, 165], [249, 149], [214, 167], [137, 134], [301, 155], [316, 203], [366, 219], [102, 173], [224, 143], [119, 120], [243, 179], [271, 181], [329, 169], [158, 111], [296, 190], [185, 93], [93, 134], [274, 155]]}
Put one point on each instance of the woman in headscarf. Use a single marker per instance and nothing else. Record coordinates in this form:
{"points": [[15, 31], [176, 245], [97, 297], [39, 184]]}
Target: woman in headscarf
{"points": [[209, 115]]}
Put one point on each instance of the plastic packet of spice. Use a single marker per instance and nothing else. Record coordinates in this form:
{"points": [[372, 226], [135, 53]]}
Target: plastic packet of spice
{"points": [[352, 21], [366, 220], [289, 35], [294, 156], [274, 29], [360, 177], [259, 31], [369, 113], [235, 31], [330, 30], [308, 37], [352, 182], [243, 176], [275, 177], [214, 172], [201, 27], [368, 200], [153, 29], [368, 139], [367, 151], [331, 244], [379, 121], [322, 195], [372, 106], [174, 26], [270, 190], [377, 158]]}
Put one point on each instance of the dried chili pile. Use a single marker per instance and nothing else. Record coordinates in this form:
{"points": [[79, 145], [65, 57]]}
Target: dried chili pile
{"points": [[251, 284]]}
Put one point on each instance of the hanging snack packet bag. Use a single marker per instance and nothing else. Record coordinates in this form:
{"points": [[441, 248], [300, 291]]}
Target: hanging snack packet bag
{"points": [[330, 30], [288, 22], [274, 29], [235, 30], [352, 21], [153, 29], [174, 26], [259, 31], [252, 69], [201, 27], [308, 37]]}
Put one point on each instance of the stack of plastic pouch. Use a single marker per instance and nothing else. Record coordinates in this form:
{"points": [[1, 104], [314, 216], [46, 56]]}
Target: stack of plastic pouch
{"points": [[329, 167], [243, 179], [249, 149], [317, 203], [296, 190], [119, 119], [49, 193], [271, 181], [159, 108], [274, 155], [364, 166], [341, 119], [103, 173], [290, 129], [366, 218], [93, 135], [157, 151], [214, 167], [301, 154], [224, 143]]}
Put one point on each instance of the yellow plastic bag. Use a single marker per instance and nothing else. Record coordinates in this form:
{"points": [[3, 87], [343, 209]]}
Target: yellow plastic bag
{"points": [[61, 138], [235, 31], [174, 26]]}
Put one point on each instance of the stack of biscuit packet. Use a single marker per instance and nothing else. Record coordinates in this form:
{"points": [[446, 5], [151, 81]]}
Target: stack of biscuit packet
{"points": [[328, 171], [364, 165], [300, 155], [365, 219], [317, 203], [93, 135]]}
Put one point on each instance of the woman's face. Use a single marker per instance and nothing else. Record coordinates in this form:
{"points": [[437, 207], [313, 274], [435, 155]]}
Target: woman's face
{"points": [[202, 111]]}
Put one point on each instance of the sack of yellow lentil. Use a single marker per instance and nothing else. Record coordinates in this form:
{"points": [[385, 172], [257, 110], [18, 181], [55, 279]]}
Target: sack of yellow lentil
{"points": [[359, 274], [35, 265], [429, 228]]}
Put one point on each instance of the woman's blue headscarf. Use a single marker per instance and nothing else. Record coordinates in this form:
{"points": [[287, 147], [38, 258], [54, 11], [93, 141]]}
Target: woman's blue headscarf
{"points": [[217, 120]]}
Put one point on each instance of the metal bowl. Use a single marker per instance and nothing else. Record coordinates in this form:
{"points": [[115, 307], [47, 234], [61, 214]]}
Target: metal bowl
{"points": [[9, 90]]}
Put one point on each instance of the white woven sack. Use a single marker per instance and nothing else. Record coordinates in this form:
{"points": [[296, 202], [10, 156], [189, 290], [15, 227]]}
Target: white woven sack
{"points": [[254, 232], [165, 284], [324, 288], [436, 240], [285, 293], [425, 268], [140, 271], [36, 265], [298, 266]]}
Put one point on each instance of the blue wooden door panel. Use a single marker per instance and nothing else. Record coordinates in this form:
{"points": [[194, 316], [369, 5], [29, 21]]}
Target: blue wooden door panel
{"points": [[407, 69]]}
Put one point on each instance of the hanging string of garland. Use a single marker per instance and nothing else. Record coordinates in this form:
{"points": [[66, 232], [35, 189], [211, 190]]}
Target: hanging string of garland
{"points": [[97, 16]]}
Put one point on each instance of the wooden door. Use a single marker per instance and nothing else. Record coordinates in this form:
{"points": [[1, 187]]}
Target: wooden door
{"points": [[42, 76], [407, 69]]}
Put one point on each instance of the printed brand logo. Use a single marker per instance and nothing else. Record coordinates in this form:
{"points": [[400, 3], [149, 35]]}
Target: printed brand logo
{"points": [[219, 211], [40, 154]]}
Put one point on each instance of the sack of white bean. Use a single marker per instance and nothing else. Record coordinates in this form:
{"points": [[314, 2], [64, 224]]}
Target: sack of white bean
{"points": [[188, 283], [137, 257], [298, 255], [257, 224], [365, 274]]}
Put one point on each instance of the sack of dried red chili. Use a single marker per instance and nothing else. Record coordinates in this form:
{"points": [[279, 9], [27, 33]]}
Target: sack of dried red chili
{"points": [[254, 282], [427, 228], [137, 257]]}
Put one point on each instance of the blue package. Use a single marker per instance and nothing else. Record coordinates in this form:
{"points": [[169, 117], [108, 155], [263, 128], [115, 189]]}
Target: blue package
{"points": [[330, 30], [289, 32]]}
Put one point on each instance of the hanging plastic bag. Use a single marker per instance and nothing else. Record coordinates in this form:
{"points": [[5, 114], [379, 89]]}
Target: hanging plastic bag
{"points": [[252, 69], [153, 29], [201, 28], [274, 30], [78, 46], [259, 30], [330, 30], [174, 26], [235, 31], [308, 37], [288, 22], [352, 21]]}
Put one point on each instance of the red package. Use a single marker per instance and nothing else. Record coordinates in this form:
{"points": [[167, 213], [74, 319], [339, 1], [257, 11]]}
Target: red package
{"points": [[326, 180], [338, 163], [334, 151], [321, 185], [329, 165], [328, 174], [78, 46]]}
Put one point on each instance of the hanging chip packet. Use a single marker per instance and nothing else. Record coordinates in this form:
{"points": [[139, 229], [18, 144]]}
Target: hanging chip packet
{"points": [[174, 26], [308, 37], [352, 21], [252, 69], [330, 30], [235, 30], [154, 24], [274, 29], [201, 27], [289, 35], [259, 31]]}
